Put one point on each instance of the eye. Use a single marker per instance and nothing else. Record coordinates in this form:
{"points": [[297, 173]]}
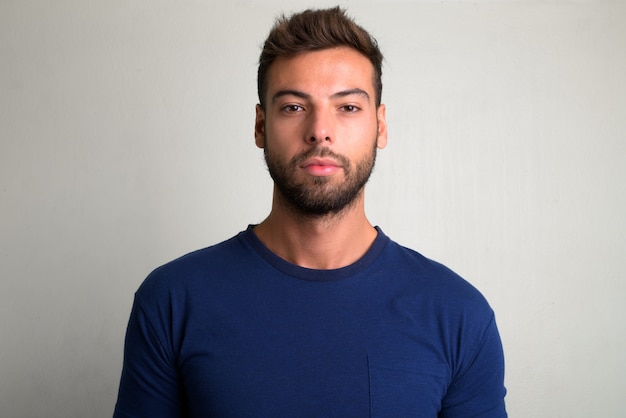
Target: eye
{"points": [[292, 108], [349, 108]]}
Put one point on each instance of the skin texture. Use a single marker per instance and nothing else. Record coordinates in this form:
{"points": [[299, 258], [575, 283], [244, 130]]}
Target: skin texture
{"points": [[319, 131]]}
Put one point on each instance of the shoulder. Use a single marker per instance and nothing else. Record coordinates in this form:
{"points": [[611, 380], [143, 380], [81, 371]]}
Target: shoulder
{"points": [[197, 268], [442, 286]]}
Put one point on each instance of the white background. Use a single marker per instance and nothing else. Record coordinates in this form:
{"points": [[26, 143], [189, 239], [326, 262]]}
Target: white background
{"points": [[126, 133]]}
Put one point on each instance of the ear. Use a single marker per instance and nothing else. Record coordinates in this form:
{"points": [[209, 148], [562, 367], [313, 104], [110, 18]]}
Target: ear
{"points": [[381, 139], [259, 127]]}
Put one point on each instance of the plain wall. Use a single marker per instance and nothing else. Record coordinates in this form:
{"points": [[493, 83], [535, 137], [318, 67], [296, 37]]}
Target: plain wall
{"points": [[126, 132]]}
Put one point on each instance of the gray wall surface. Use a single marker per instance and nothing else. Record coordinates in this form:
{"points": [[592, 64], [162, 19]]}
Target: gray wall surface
{"points": [[126, 140]]}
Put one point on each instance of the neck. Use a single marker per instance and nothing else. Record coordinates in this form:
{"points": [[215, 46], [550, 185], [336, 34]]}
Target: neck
{"points": [[317, 241]]}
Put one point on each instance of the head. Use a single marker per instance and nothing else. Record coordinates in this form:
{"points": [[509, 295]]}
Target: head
{"points": [[320, 120], [314, 30]]}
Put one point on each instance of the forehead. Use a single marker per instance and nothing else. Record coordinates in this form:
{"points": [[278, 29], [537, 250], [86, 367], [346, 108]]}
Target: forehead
{"points": [[322, 72]]}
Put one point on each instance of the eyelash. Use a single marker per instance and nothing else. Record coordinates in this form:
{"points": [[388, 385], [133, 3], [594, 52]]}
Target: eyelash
{"points": [[295, 108]]}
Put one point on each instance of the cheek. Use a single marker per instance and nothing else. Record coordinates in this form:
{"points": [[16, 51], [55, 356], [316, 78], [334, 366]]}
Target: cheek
{"points": [[280, 147], [358, 137], [282, 133]]}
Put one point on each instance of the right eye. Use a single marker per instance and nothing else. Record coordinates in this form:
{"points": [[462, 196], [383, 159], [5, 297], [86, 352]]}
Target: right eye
{"points": [[292, 108]]}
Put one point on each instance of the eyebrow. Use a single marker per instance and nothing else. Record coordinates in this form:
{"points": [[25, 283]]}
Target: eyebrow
{"points": [[303, 95]]}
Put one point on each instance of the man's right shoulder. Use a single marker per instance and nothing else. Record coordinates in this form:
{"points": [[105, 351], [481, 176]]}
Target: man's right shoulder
{"points": [[196, 267]]}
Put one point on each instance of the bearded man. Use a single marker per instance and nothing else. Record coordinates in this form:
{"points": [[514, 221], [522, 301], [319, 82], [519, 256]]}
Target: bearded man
{"points": [[313, 312]]}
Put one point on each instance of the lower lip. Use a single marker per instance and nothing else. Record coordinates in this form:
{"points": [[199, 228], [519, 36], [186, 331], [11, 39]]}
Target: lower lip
{"points": [[321, 170]]}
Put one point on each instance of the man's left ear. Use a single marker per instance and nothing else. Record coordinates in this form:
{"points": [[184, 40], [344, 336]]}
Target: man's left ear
{"points": [[259, 127], [381, 140]]}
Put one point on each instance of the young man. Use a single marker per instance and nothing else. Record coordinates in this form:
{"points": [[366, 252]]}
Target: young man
{"points": [[314, 312]]}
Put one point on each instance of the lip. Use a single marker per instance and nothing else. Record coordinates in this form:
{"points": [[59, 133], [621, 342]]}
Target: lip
{"points": [[320, 162], [321, 167]]}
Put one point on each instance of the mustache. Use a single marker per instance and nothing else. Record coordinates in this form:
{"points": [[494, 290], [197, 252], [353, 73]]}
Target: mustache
{"points": [[318, 152]]}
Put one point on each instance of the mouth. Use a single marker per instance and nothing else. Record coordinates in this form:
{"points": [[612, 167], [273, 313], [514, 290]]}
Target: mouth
{"points": [[321, 167]]}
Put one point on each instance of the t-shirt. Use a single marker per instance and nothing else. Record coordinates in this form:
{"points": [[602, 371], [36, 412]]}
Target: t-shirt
{"points": [[235, 331]]}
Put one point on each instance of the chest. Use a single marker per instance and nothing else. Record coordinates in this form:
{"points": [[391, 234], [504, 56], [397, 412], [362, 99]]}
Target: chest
{"points": [[308, 357]]}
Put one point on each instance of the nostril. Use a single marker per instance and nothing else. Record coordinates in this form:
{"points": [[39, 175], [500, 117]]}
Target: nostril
{"points": [[314, 139]]}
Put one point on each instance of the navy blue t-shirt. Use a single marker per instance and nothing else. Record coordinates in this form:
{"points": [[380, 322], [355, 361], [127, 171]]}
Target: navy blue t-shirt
{"points": [[235, 331]]}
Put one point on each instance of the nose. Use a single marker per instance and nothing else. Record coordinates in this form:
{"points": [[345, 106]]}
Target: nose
{"points": [[321, 127]]}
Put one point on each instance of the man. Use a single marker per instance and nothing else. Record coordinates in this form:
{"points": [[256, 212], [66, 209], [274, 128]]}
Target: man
{"points": [[314, 312]]}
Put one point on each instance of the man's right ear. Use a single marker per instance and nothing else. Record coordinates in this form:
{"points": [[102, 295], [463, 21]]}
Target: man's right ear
{"points": [[259, 127]]}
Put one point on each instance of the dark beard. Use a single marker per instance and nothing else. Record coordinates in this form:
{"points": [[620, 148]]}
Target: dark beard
{"points": [[318, 197]]}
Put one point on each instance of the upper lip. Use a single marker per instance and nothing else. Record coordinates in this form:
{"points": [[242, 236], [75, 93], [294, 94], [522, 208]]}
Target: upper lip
{"points": [[321, 162]]}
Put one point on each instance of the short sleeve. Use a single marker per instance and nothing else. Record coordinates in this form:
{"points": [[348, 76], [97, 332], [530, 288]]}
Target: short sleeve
{"points": [[149, 385], [477, 390]]}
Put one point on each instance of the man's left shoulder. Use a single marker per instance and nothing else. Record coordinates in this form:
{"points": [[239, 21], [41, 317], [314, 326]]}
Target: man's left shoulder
{"points": [[438, 280]]}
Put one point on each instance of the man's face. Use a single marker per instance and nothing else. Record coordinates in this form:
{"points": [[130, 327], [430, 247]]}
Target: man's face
{"points": [[320, 128]]}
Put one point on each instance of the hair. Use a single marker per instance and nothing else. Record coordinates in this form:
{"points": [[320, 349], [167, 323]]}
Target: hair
{"points": [[314, 30]]}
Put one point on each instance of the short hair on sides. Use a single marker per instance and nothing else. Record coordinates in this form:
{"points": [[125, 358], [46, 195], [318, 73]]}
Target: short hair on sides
{"points": [[314, 30]]}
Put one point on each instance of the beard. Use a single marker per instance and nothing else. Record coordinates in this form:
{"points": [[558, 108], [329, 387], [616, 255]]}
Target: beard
{"points": [[319, 196]]}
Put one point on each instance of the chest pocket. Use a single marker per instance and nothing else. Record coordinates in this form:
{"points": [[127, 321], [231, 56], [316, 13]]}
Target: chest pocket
{"points": [[406, 388]]}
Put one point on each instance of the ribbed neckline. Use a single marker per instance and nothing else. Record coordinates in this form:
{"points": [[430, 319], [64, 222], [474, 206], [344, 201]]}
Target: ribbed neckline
{"points": [[303, 273]]}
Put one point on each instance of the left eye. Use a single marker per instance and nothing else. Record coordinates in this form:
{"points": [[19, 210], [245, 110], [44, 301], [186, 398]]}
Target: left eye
{"points": [[349, 108]]}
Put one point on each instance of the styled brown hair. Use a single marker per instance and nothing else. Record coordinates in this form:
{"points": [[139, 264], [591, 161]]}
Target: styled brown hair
{"points": [[314, 30]]}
